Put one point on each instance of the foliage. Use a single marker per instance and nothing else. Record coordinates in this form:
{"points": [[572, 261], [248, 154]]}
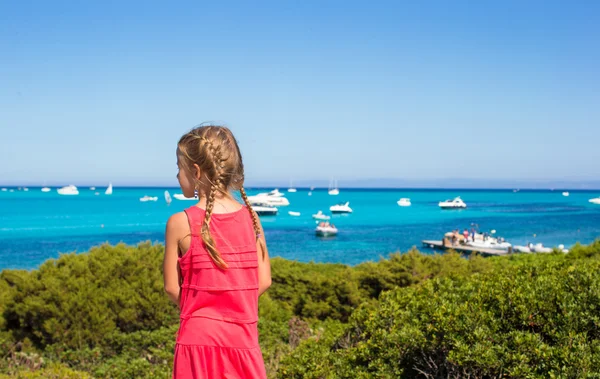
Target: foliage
{"points": [[104, 314]]}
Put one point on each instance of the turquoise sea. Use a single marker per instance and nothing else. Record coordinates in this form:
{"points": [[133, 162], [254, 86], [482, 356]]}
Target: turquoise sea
{"points": [[35, 226]]}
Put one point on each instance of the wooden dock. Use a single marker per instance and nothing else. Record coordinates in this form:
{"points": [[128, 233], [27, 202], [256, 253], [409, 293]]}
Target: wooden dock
{"points": [[464, 249]]}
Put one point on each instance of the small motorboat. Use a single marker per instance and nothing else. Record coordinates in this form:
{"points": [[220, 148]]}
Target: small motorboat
{"points": [[456, 203], [595, 200], [540, 248], [68, 190], [46, 189], [92, 188], [341, 208], [565, 193], [404, 202], [295, 214], [148, 198], [320, 216], [180, 196], [491, 243], [326, 230]]}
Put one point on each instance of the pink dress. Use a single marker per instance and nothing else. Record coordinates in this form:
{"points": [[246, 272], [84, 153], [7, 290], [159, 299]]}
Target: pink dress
{"points": [[218, 335]]}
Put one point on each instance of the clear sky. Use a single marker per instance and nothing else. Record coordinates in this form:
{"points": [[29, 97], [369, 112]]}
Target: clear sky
{"points": [[92, 92]]}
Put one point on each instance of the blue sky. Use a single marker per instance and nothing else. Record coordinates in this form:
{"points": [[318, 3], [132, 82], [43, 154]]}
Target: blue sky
{"points": [[101, 91]]}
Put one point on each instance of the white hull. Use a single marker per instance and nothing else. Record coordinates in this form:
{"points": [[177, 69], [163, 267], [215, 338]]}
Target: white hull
{"points": [[295, 214], [68, 191], [502, 246], [109, 190], [595, 201], [457, 203], [179, 196], [320, 216], [565, 194], [264, 210], [341, 208], [404, 203], [148, 198], [334, 192], [46, 189], [326, 231], [273, 201]]}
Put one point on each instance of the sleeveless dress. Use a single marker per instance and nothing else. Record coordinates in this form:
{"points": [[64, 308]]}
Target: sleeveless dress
{"points": [[218, 334]]}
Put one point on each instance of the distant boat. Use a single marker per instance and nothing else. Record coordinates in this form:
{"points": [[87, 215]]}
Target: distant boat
{"points": [[168, 197], [326, 230], [565, 193], [457, 203], [46, 189], [291, 189], [180, 196], [148, 198], [341, 208], [595, 200], [68, 190], [320, 216], [4, 190], [309, 193], [295, 214], [404, 202], [333, 188], [109, 190], [25, 189], [92, 188]]}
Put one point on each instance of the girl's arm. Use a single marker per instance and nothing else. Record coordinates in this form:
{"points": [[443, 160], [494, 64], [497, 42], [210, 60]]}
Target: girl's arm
{"points": [[174, 232], [264, 264]]}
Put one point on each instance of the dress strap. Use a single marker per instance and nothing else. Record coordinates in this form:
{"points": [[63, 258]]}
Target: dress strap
{"points": [[195, 217]]}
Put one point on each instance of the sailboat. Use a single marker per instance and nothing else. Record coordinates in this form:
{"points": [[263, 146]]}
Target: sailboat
{"points": [[291, 189], [168, 197], [109, 190], [333, 188]]}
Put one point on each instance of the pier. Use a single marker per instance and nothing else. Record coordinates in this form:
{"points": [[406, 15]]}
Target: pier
{"points": [[464, 249]]}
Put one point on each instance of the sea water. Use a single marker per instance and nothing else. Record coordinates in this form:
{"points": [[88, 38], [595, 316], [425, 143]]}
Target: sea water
{"points": [[35, 225]]}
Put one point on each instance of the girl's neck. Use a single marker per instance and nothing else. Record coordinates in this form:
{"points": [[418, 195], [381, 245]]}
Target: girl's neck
{"points": [[223, 204]]}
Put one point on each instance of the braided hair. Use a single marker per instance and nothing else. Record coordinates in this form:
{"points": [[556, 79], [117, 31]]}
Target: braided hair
{"points": [[215, 150]]}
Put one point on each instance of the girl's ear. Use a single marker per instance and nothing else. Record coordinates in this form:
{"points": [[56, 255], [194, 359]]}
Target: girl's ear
{"points": [[197, 172]]}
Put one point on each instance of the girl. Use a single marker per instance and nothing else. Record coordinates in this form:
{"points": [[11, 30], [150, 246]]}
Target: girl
{"points": [[216, 262]]}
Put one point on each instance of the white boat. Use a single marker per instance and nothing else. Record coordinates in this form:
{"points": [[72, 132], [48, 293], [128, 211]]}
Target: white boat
{"points": [[4, 190], [264, 210], [25, 189], [270, 200], [333, 188], [109, 190], [180, 196], [404, 202], [490, 243], [46, 189], [595, 200], [292, 189], [11, 190], [457, 203], [309, 193], [565, 193], [92, 188], [320, 216], [148, 198], [521, 249], [326, 230], [341, 208], [168, 197], [274, 193], [540, 248], [68, 190], [295, 214]]}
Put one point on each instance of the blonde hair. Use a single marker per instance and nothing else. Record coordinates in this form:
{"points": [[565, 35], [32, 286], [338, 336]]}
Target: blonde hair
{"points": [[215, 150]]}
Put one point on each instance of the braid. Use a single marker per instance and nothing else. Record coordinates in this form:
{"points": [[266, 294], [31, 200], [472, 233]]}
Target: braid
{"points": [[214, 156], [259, 237]]}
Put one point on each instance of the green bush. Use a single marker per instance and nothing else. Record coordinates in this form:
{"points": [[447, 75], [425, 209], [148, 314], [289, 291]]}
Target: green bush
{"points": [[104, 314]]}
